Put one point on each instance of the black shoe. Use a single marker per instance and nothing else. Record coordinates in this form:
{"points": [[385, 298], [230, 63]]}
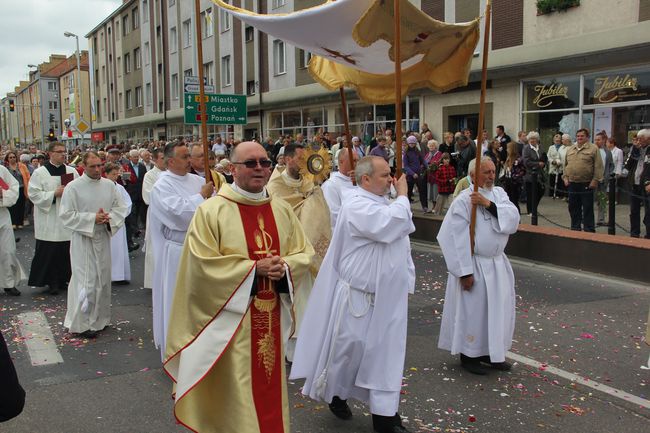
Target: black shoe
{"points": [[89, 334], [502, 366], [473, 365], [53, 289], [12, 291], [388, 424], [340, 408], [17, 240], [134, 246]]}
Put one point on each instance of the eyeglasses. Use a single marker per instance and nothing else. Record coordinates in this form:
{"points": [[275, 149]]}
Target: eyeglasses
{"points": [[252, 163], [58, 151]]}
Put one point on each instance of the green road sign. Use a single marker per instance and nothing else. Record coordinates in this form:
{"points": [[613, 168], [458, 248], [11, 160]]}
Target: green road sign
{"points": [[221, 109]]}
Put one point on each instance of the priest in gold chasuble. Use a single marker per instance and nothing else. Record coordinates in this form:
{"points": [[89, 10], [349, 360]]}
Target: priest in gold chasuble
{"points": [[233, 306]]}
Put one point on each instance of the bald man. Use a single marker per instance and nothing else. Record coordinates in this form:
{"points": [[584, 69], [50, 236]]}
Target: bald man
{"points": [[339, 185], [232, 312]]}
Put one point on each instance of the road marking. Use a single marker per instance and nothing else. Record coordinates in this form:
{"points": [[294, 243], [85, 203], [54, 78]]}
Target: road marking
{"points": [[39, 339], [581, 380]]}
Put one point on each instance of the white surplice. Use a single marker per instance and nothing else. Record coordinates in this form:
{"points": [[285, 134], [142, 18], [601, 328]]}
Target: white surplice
{"points": [[335, 189], [480, 321], [352, 341], [120, 265], [11, 272], [47, 224], [174, 200], [89, 291], [148, 182]]}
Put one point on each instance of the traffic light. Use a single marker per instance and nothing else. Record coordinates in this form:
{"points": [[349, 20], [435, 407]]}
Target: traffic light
{"points": [[51, 136], [12, 106]]}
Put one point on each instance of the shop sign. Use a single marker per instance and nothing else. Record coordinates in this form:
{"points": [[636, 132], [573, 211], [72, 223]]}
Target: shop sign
{"points": [[619, 87], [97, 136], [551, 94]]}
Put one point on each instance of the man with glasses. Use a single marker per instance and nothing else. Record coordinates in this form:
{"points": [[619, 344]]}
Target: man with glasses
{"points": [[51, 263], [309, 205], [243, 255], [93, 210], [173, 200]]}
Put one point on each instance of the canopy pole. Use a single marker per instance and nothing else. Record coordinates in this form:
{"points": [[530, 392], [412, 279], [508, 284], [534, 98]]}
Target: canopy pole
{"points": [[481, 120], [202, 104], [346, 124], [397, 51]]}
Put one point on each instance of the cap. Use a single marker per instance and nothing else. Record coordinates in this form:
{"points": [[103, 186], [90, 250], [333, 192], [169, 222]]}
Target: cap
{"points": [[113, 149], [411, 140], [355, 138]]}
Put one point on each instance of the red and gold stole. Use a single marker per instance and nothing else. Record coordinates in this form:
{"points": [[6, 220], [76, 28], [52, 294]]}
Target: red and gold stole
{"points": [[266, 332]]}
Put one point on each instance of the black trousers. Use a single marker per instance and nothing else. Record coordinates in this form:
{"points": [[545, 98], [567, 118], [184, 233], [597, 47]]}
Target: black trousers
{"points": [[17, 211], [136, 219], [12, 395], [529, 195], [581, 207], [639, 197], [512, 189], [421, 182]]}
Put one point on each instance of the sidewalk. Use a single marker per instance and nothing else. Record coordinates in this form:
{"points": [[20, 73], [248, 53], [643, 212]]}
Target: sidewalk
{"points": [[555, 213]]}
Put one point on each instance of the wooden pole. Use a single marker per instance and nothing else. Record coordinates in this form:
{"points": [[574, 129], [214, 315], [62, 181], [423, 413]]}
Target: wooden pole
{"points": [[397, 51], [202, 104], [481, 120], [346, 124]]}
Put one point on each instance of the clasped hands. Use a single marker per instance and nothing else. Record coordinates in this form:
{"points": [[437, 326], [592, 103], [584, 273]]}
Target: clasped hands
{"points": [[271, 267], [102, 217]]}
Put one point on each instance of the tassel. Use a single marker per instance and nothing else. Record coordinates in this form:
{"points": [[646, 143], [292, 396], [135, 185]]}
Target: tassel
{"points": [[321, 384]]}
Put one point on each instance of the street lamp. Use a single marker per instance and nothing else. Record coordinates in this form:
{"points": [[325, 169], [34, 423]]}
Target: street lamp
{"points": [[77, 81]]}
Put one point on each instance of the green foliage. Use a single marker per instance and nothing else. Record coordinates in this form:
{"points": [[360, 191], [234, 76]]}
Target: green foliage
{"points": [[548, 6]]}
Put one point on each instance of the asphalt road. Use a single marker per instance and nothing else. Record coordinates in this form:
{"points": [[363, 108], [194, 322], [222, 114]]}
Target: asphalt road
{"points": [[572, 323]]}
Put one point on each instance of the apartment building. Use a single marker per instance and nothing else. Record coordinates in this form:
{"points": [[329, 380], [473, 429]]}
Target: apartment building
{"points": [[547, 71], [8, 121]]}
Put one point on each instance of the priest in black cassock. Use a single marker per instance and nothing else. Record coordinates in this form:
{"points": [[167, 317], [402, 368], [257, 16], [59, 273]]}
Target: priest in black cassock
{"points": [[51, 264]]}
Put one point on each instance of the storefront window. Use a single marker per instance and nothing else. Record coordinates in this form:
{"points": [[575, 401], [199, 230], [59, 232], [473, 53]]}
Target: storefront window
{"points": [[616, 87], [552, 94]]}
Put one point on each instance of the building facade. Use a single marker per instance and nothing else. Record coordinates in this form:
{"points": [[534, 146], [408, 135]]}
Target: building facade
{"points": [[8, 121], [550, 72]]}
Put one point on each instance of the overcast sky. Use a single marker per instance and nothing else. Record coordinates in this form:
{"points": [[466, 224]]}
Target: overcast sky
{"points": [[33, 29]]}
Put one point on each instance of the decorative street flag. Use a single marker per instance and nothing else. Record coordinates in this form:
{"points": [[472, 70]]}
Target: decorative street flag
{"points": [[357, 50]]}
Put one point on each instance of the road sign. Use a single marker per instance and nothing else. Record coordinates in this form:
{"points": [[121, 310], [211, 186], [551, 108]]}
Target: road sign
{"points": [[190, 79], [82, 126], [221, 109], [194, 88]]}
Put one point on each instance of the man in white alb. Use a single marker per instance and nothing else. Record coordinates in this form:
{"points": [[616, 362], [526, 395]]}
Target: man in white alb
{"points": [[478, 318], [336, 188], [93, 209], [11, 273], [158, 158], [352, 342], [174, 200]]}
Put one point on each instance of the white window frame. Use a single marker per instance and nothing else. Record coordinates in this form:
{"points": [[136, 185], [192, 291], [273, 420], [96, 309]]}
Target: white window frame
{"points": [[145, 11], [138, 96], [137, 58], [128, 99], [173, 40], [207, 25], [187, 33], [225, 71], [275, 4], [279, 57], [135, 18], [208, 72], [225, 20], [175, 86], [147, 53], [147, 94], [127, 63]]}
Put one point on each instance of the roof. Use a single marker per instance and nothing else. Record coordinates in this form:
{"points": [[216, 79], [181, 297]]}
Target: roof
{"points": [[126, 4], [66, 66]]}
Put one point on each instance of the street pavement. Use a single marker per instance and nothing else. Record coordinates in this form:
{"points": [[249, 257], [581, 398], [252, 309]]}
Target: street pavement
{"points": [[585, 331]]}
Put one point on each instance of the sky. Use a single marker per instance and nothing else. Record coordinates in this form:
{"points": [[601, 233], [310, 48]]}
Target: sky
{"points": [[33, 29]]}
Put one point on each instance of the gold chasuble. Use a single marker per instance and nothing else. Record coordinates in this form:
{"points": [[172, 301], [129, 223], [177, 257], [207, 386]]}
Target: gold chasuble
{"points": [[309, 204], [225, 349]]}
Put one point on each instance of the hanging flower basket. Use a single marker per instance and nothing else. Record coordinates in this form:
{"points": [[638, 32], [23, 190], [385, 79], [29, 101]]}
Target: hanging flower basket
{"points": [[549, 6]]}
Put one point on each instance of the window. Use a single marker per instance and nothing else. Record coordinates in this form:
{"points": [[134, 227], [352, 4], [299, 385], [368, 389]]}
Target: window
{"points": [[119, 66], [147, 53], [119, 100], [305, 57], [279, 60], [250, 34], [250, 87], [103, 74], [175, 86], [147, 93], [173, 40], [278, 3], [96, 78], [129, 99], [53, 105], [117, 30], [95, 45], [135, 18], [101, 41], [137, 58], [145, 11], [208, 73], [51, 85], [187, 33], [207, 28], [138, 96], [187, 72], [127, 63], [225, 20], [172, 3], [225, 71], [125, 25], [105, 106]]}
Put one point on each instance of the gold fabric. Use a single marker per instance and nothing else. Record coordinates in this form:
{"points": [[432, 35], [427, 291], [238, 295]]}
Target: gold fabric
{"points": [[214, 263], [308, 202]]}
